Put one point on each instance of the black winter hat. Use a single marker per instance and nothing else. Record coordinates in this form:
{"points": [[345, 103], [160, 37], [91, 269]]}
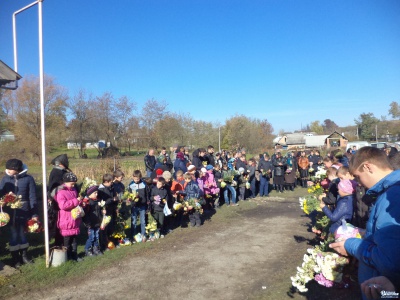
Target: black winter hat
{"points": [[14, 164], [61, 159], [70, 177]]}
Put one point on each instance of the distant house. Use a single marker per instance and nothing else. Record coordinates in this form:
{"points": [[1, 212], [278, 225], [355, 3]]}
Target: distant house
{"points": [[336, 140], [6, 135], [315, 141], [8, 77]]}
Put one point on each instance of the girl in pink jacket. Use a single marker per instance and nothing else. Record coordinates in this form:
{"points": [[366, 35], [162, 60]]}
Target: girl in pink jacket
{"points": [[67, 199]]}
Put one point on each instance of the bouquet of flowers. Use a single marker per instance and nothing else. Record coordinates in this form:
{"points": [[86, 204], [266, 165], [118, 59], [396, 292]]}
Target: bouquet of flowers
{"points": [[316, 190], [151, 224], [193, 204], [87, 183], [128, 196], [321, 225], [4, 218], [77, 212], [324, 267], [309, 204], [11, 200], [228, 176], [106, 220], [34, 226], [320, 174]]}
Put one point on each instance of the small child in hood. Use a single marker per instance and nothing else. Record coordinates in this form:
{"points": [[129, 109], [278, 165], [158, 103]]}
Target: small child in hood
{"points": [[344, 205], [67, 199], [92, 220]]}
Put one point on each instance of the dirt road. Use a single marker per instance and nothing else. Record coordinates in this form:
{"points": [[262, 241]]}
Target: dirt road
{"points": [[250, 255]]}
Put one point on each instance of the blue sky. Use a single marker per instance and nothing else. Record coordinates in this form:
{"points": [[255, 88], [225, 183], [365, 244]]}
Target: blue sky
{"points": [[290, 62]]}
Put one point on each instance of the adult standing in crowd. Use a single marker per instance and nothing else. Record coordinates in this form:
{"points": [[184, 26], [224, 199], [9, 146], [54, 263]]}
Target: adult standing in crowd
{"points": [[210, 156], [60, 167], [378, 251], [150, 162], [303, 164], [279, 172]]}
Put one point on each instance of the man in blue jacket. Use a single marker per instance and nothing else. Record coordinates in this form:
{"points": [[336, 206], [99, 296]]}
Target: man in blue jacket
{"points": [[378, 251]]}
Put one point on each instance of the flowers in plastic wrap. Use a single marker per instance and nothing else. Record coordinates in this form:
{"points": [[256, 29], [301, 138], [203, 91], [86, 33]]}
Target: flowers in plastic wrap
{"points": [[322, 265], [33, 226], [4, 218], [223, 184], [11, 200], [177, 206], [130, 196], [193, 204], [346, 231], [228, 176], [77, 212], [248, 185], [87, 183], [106, 220], [316, 190], [151, 224]]}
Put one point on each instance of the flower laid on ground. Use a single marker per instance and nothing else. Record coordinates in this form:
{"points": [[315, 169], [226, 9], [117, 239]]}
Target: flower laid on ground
{"points": [[33, 226], [324, 267], [87, 183]]}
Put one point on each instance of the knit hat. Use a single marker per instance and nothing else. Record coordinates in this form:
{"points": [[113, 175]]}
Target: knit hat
{"points": [[14, 164], [167, 175], [91, 190], [209, 167], [241, 170], [203, 170], [70, 177], [159, 172], [346, 186], [61, 159], [191, 168], [180, 155]]}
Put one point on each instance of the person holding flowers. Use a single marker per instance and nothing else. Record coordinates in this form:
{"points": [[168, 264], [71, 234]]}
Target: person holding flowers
{"points": [[20, 186], [192, 192], [92, 220], [344, 205], [227, 183], [158, 200], [67, 199], [265, 167], [378, 251], [139, 204]]}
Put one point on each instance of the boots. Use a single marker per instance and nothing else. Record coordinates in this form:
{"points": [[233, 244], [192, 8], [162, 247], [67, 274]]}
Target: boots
{"points": [[15, 259], [24, 256], [75, 257], [96, 251]]}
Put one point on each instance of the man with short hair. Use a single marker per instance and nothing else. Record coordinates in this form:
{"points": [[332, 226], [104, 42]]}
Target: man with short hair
{"points": [[210, 155], [378, 251], [150, 162]]}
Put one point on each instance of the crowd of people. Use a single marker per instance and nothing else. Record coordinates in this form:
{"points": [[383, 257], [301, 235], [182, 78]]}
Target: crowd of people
{"points": [[364, 188]]}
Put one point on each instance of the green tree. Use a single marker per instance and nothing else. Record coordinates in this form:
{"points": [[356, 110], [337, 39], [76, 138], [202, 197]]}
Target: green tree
{"points": [[394, 110], [366, 126], [316, 127]]}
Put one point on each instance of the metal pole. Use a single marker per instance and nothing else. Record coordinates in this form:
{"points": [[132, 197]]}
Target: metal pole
{"points": [[219, 139], [15, 32], [42, 123]]}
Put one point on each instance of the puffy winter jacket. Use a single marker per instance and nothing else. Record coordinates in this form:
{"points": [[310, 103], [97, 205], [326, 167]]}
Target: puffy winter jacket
{"points": [[343, 210], [67, 200], [378, 252]]}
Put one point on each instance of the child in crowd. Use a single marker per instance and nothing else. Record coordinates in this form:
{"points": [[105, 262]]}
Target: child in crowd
{"points": [[252, 177], [92, 220], [118, 186], [344, 206], [106, 193], [67, 199], [218, 179], [229, 187], [362, 202], [139, 207], [192, 191], [330, 198], [211, 189], [242, 179], [159, 196], [170, 201], [177, 189], [16, 180]]}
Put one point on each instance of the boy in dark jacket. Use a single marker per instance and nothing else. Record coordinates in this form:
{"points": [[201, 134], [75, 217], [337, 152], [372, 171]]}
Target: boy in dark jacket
{"points": [[159, 198], [92, 220], [139, 207], [19, 183], [330, 197], [192, 191], [106, 193]]}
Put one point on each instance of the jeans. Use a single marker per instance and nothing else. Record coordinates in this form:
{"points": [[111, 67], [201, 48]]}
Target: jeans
{"points": [[18, 240], [242, 192], [93, 238], [148, 173], [141, 210], [264, 185], [253, 187], [233, 194]]}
